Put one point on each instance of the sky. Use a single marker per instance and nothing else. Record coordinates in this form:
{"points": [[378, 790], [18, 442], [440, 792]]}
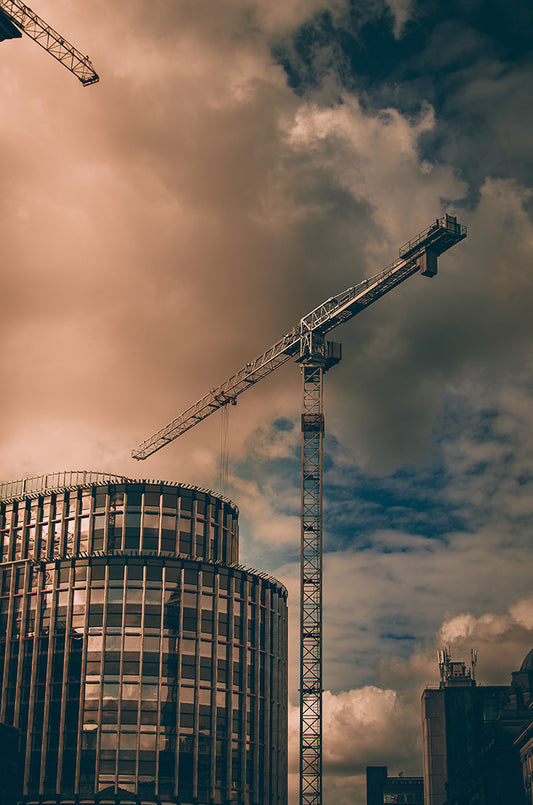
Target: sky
{"points": [[238, 163]]}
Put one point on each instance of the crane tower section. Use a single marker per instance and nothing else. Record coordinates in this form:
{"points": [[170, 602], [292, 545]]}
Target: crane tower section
{"points": [[15, 16]]}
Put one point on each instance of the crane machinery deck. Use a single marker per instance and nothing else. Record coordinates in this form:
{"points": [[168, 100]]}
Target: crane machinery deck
{"points": [[307, 345], [15, 17]]}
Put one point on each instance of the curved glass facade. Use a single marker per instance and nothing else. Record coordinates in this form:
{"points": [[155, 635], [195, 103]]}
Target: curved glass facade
{"points": [[138, 659]]}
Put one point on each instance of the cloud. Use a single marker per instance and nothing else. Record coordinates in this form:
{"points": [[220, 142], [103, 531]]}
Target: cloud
{"points": [[390, 598], [163, 227], [501, 639], [373, 725], [188, 221]]}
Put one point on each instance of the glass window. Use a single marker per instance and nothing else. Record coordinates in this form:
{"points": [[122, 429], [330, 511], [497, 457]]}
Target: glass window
{"points": [[95, 642], [80, 574], [204, 696], [31, 540], [99, 500], [149, 692], [128, 740], [135, 572], [185, 542], [132, 642], [186, 695], [169, 500], [114, 595], [153, 573], [151, 520], [151, 643], [188, 646], [113, 642], [78, 598], [116, 572], [206, 648], [147, 741], [111, 690], [200, 506], [186, 504], [97, 595], [62, 598], [152, 498], [189, 599], [130, 690], [108, 740], [69, 535], [153, 595], [134, 595], [150, 669]]}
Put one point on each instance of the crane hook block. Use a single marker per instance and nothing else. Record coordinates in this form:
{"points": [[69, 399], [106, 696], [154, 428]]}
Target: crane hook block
{"points": [[427, 263]]}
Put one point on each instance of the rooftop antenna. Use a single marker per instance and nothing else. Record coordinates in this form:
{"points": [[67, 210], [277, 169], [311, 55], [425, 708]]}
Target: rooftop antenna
{"points": [[443, 659], [473, 661]]}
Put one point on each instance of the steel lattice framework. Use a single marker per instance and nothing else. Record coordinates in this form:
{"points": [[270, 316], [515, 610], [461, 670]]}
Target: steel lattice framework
{"points": [[311, 583], [306, 344], [49, 39]]}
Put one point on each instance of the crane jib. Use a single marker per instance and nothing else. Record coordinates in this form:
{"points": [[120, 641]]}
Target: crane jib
{"points": [[22, 17], [418, 254]]}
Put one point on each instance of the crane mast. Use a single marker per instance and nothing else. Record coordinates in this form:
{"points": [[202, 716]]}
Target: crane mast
{"points": [[306, 344], [70, 57]]}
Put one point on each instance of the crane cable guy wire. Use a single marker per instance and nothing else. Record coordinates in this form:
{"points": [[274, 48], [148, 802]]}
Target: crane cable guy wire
{"points": [[306, 344], [223, 474], [57, 46]]}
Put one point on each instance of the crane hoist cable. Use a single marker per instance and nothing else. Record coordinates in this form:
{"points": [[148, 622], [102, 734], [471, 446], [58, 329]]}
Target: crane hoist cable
{"points": [[224, 449]]}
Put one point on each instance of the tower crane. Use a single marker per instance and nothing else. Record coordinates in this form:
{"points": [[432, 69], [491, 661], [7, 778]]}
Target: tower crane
{"points": [[307, 345], [15, 17]]}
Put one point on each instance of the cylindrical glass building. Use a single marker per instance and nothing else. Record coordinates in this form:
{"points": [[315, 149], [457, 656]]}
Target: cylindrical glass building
{"points": [[140, 662]]}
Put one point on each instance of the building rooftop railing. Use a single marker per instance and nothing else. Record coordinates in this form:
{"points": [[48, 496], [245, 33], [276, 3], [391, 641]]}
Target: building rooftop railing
{"points": [[54, 481]]}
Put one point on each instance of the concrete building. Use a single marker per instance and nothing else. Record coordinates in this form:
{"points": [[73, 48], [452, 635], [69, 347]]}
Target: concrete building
{"points": [[522, 684], [477, 739], [382, 789], [138, 660]]}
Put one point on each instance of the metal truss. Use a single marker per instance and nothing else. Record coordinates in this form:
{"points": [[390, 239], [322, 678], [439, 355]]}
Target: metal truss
{"points": [[295, 344], [311, 585], [45, 36]]}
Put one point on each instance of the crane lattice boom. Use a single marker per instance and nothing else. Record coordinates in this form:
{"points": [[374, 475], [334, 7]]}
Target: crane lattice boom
{"points": [[45, 36], [419, 253]]}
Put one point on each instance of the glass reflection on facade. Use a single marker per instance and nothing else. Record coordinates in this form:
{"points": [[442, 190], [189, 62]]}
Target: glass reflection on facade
{"points": [[138, 660]]}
